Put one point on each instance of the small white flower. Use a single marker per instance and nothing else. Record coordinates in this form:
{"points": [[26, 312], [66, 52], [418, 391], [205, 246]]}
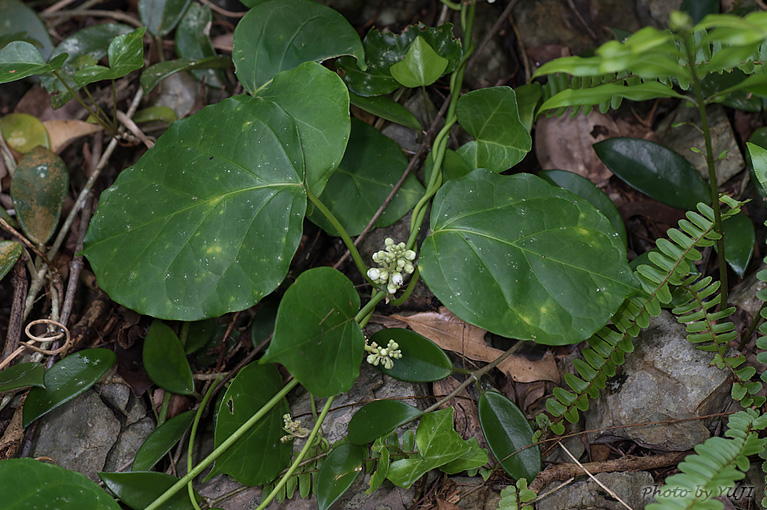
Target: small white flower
{"points": [[396, 279], [374, 273]]}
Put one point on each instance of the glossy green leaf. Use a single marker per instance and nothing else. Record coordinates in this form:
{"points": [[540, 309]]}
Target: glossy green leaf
{"points": [[735, 89], [421, 66], [156, 73], [378, 418], [277, 36], [161, 16], [126, 54], [422, 360], [317, 100], [263, 322], [316, 336], [437, 444], [758, 165], [38, 189], [84, 47], [193, 42], [384, 49], [67, 379], [21, 22], [527, 102], [584, 188], [739, 239], [507, 430], [29, 484], [165, 361], [139, 489], [475, 458], [200, 333], [203, 225], [453, 166], [524, 259], [595, 95], [10, 251], [655, 170], [155, 114], [490, 115], [20, 59], [338, 472], [386, 108], [22, 376], [23, 132], [160, 442], [372, 165], [259, 456]]}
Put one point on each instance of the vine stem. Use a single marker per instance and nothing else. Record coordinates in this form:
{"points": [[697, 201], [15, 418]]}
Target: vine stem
{"points": [[309, 441], [223, 447], [193, 434]]}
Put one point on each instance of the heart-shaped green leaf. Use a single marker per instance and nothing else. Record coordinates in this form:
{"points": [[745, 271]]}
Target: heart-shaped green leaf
{"points": [[161, 16], [524, 259], [21, 376], [316, 336], [475, 458], [193, 42], [21, 22], [490, 115], [277, 36], [421, 66], [253, 387], [10, 251], [139, 489], [126, 54], [338, 472], [422, 360], [386, 108], [318, 101], [584, 188], [65, 380], [509, 436], [656, 171], [84, 47], [372, 165], [20, 59], [30, 484], [378, 418], [739, 239], [203, 225], [23, 132], [165, 361], [160, 442], [38, 189], [153, 75], [384, 49]]}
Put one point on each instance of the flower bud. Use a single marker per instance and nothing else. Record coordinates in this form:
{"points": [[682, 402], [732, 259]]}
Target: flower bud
{"points": [[396, 279], [374, 273]]}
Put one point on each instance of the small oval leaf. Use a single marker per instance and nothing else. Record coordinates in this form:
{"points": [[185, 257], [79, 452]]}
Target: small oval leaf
{"points": [[30, 484], [139, 489], [20, 59], [338, 472], [422, 360], [200, 333], [10, 251], [161, 441], [165, 361], [378, 418], [507, 431], [739, 239], [21, 376], [161, 16], [67, 379], [24, 132]]}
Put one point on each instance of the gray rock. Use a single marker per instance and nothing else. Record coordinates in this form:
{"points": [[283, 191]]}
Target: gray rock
{"points": [[118, 395], [681, 138], [587, 495], [665, 378], [221, 485], [128, 443], [656, 12], [408, 138], [78, 435], [744, 295]]}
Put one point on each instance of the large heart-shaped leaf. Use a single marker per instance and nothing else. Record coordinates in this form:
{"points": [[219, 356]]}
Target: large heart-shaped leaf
{"points": [[207, 221], [421, 66], [276, 36], [259, 456], [316, 336], [509, 436], [67, 379], [378, 418], [161, 441], [372, 165], [30, 484], [165, 360], [20, 59], [126, 54], [655, 170], [523, 259], [38, 189], [338, 472], [21, 376], [10, 251], [161, 15], [490, 115], [139, 489]]}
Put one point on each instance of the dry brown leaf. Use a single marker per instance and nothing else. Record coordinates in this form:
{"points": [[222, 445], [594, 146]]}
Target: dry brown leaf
{"points": [[64, 132], [452, 334], [446, 505]]}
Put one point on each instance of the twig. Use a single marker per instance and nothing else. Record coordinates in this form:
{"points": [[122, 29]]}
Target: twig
{"points": [[223, 11], [581, 20], [40, 339], [20, 287], [609, 491], [493, 30], [224, 340], [26, 242], [96, 13], [63, 3]]}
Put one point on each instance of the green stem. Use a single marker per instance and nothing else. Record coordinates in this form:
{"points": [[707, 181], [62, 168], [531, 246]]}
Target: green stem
{"points": [[299, 458], [409, 290], [712, 185], [104, 123], [193, 434], [341, 231], [752, 327], [370, 306], [223, 447]]}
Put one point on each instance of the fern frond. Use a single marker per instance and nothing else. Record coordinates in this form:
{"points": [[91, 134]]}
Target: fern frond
{"points": [[671, 263], [716, 466], [515, 497], [701, 296]]}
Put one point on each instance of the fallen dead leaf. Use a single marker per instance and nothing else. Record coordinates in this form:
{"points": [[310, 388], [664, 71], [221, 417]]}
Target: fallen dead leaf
{"points": [[64, 132], [452, 334], [466, 417]]}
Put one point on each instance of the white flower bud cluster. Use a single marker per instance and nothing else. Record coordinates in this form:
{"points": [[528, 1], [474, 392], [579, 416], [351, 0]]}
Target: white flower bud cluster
{"points": [[293, 428], [383, 355], [395, 260]]}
